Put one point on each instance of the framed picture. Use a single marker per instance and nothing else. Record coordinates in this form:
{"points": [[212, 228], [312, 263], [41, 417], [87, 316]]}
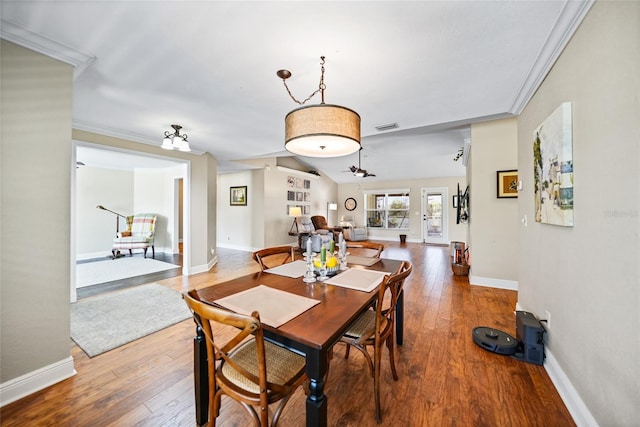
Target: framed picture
{"points": [[307, 184], [299, 196], [553, 168], [291, 195], [238, 196], [291, 181], [307, 196], [507, 184]]}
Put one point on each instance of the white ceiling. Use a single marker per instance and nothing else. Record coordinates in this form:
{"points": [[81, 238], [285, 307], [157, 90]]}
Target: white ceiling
{"points": [[432, 67]]}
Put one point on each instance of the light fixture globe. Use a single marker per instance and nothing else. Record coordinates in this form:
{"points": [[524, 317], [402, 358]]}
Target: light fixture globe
{"points": [[322, 130]]}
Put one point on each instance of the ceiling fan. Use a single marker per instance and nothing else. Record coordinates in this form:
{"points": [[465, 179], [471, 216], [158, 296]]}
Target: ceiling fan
{"points": [[358, 171]]}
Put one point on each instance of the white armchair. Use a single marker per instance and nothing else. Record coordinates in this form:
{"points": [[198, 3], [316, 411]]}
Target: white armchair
{"points": [[350, 231]]}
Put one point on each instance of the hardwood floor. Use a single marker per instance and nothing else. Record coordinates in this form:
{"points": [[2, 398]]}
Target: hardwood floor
{"points": [[445, 379]]}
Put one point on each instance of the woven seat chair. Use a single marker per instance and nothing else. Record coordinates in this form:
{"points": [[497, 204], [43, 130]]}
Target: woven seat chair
{"points": [[375, 327], [246, 368], [274, 256], [366, 248]]}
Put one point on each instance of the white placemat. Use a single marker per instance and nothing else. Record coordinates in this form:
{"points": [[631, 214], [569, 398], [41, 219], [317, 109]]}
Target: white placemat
{"points": [[358, 279], [276, 307], [362, 260], [293, 269]]}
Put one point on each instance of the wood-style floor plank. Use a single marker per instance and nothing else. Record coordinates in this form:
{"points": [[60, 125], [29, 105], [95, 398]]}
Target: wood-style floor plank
{"points": [[445, 378]]}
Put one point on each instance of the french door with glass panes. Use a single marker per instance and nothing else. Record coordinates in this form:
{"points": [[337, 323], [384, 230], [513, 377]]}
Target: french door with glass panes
{"points": [[435, 227]]}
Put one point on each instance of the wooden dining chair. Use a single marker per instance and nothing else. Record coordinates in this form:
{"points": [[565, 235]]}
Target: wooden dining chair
{"points": [[246, 368], [274, 256], [375, 327], [365, 248]]}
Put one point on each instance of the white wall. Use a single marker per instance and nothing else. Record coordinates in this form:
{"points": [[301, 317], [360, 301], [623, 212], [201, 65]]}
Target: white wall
{"points": [[35, 204], [264, 221], [493, 223], [587, 276], [95, 228], [457, 232]]}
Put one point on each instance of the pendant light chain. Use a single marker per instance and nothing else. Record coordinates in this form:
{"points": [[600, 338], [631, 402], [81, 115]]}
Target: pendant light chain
{"points": [[321, 86]]}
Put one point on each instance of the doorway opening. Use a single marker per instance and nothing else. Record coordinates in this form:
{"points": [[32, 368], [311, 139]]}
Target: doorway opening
{"points": [[435, 215]]}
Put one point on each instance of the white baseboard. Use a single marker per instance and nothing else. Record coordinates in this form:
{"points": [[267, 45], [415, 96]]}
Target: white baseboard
{"points": [[572, 400], [31, 382], [200, 268], [511, 285]]}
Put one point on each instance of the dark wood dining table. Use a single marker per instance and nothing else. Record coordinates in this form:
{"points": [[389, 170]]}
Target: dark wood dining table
{"points": [[313, 333]]}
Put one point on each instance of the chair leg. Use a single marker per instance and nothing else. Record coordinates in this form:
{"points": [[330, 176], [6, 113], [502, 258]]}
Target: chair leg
{"points": [[392, 360], [153, 252], [145, 252], [376, 382], [130, 252]]}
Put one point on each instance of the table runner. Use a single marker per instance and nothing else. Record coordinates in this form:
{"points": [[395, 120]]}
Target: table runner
{"points": [[358, 279], [276, 307], [293, 269]]}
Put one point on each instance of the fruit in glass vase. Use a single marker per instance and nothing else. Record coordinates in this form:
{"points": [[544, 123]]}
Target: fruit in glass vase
{"points": [[332, 262]]}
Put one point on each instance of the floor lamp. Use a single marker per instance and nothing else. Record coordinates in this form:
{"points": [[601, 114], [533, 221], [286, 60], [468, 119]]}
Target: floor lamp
{"points": [[117, 254], [294, 211], [331, 206]]}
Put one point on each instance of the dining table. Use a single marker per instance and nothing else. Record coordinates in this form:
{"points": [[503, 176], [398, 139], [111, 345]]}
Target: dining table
{"points": [[312, 333]]}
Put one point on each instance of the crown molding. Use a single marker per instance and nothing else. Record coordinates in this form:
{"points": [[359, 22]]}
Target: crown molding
{"points": [[26, 38], [571, 16]]}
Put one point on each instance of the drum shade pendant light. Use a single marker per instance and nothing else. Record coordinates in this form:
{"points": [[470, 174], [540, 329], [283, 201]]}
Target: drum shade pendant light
{"points": [[323, 130]]}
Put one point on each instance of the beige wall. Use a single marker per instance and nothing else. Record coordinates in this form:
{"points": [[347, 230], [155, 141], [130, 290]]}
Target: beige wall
{"points": [[264, 221], [493, 224], [35, 205], [457, 232], [587, 276]]}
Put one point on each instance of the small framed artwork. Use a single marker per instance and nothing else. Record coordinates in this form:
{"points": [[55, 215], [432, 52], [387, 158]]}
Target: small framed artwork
{"points": [[238, 196], [299, 182], [291, 181], [306, 209], [299, 196], [307, 184], [507, 184], [291, 195], [307, 196]]}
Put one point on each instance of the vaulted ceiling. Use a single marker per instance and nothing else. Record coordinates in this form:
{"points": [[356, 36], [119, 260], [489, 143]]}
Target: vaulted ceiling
{"points": [[431, 67]]}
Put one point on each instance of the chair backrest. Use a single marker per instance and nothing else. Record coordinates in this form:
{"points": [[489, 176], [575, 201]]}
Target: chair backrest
{"points": [[347, 221], [206, 315], [365, 248], [388, 294], [304, 224], [143, 224], [319, 222], [274, 256]]}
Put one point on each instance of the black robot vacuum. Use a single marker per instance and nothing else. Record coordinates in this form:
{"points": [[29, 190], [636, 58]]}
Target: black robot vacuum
{"points": [[494, 340]]}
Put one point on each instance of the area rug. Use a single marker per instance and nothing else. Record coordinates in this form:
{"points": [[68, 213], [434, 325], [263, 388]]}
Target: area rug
{"points": [[92, 273], [106, 321]]}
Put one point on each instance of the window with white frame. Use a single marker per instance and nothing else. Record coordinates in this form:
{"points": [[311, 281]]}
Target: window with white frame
{"points": [[387, 208]]}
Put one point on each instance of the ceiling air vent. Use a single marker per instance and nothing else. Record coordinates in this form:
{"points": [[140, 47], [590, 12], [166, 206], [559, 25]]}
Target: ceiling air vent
{"points": [[390, 126]]}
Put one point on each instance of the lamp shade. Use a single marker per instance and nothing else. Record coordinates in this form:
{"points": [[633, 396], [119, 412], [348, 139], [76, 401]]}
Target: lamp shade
{"points": [[322, 130], [295, 211]]}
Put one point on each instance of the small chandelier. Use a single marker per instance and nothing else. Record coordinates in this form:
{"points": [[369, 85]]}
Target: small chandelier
{"points": [[322, 130], [175, 141]]}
